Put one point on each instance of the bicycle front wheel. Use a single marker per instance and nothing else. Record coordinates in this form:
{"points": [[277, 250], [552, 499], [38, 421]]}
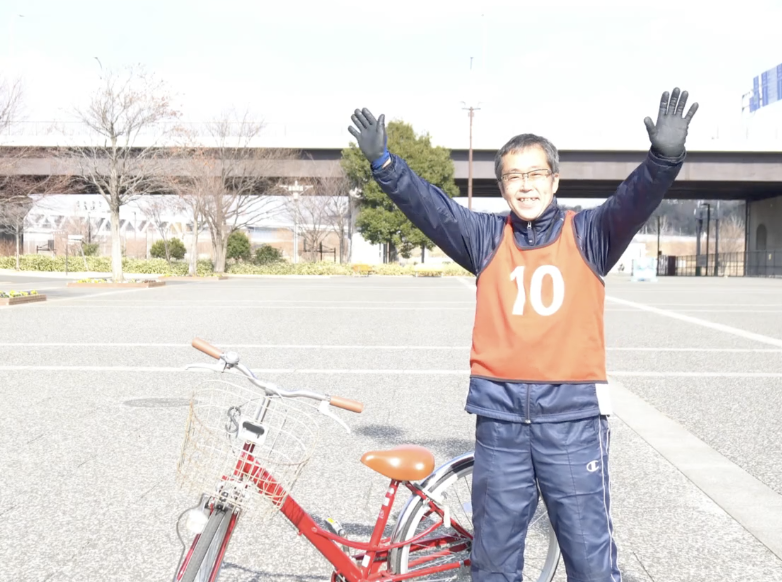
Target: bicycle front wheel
{"points": [[204, 562], [453, 487]]}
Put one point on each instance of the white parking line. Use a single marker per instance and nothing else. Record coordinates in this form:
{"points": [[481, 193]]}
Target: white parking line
{"points": [[380, 371], [244, 302], [715, 304], [702, 322], [771, 288], [726, 310], [707, 350], [229, 345], [259, 371], [357, 287], [686, 374], [746, 499], [118, 305], [79, 297]]}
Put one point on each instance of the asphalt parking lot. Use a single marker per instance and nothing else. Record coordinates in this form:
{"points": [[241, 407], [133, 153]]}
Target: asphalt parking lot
{"points": [[94, 408]]}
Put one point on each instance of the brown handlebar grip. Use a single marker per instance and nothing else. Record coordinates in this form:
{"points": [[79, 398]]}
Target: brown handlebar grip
{"points": [[207, 348], [346, 403]]}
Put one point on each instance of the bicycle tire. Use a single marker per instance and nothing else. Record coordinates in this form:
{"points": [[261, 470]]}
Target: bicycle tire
{"points": [[199, 568], [444, 479]]}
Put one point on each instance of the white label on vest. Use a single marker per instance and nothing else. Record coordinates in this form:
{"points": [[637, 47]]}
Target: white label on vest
{"points": [[536, 290]]}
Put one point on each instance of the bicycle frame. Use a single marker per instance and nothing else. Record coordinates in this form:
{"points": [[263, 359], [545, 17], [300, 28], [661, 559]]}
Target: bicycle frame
{"points": [[362, 567], [376, 551]]}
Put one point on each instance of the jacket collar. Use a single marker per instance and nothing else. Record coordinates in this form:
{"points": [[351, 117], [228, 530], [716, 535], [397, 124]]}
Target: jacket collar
{"points": [[542, 223]]}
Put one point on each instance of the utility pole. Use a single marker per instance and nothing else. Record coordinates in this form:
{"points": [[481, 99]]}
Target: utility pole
{"points": [[717, 240], [469, 160], [471, 109], [708, 226]]}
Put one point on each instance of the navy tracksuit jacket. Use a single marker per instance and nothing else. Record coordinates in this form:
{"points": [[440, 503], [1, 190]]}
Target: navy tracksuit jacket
{"points": [[537, 435]]}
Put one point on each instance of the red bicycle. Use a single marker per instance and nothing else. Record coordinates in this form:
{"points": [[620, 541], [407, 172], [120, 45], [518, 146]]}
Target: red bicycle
{"points": [[244, 449]]}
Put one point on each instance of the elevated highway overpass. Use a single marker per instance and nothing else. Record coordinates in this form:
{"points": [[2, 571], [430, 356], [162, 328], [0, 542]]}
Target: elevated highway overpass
{"points": [[752, 176], [706, 175]]}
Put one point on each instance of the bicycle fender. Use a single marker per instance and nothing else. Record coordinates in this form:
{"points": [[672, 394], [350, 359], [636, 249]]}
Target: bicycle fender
{"points": [[427, 486]]}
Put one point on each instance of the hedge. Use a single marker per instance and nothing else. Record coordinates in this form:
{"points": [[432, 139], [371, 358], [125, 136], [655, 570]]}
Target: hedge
{"points": [[102, 265], [180, 268]]}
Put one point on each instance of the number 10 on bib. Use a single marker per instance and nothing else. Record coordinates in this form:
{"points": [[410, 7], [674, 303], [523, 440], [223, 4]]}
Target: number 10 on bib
{"points": [[536, 290]]}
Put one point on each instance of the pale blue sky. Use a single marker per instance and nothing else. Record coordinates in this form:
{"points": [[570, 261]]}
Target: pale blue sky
{"points": [[578, 72]]}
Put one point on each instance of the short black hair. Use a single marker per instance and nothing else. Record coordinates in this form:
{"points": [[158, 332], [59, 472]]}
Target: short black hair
{"points": [[523, 141]]}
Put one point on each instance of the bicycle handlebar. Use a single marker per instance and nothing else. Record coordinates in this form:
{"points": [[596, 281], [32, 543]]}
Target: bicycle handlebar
{"points": [[346, 404], [336, 401], [207, 348]]}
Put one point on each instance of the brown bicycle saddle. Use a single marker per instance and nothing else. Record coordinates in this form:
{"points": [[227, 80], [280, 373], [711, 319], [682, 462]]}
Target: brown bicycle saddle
{"points": [[402, 463]]}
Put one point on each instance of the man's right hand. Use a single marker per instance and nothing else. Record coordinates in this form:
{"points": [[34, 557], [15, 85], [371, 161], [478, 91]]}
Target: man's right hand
{"points": [[371, 136]]}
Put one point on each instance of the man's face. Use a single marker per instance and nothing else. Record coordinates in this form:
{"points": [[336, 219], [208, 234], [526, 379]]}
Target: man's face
{"points": [[527, 183]]}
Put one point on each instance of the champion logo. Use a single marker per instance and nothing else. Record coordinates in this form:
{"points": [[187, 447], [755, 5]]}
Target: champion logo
{"points": [[593, 466]]}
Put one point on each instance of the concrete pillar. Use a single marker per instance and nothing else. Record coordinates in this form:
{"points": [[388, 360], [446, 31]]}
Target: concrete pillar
{"points": [[765, 213], [764, 233]]}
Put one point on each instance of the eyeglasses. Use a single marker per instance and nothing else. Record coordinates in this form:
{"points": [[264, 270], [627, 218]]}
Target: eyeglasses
{"points": [[533, 176]]}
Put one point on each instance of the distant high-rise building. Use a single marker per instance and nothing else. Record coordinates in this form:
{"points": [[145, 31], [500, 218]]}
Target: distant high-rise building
{"points": [[766, 89]]}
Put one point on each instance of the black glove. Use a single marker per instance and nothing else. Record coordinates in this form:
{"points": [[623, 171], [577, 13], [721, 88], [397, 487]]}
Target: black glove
{"points": [[670, 132], [371, 137]]}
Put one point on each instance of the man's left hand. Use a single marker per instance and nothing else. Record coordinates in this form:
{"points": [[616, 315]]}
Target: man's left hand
{"points": [[670, 132]]}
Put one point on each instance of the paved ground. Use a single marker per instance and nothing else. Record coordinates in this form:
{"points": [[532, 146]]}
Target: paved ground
{"points": [[92, 393]]}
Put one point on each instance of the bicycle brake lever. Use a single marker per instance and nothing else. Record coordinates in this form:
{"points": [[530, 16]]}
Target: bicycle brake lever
{"points": [[323, 408]]}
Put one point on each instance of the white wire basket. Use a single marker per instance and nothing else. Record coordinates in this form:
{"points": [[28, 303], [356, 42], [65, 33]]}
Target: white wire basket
{"points": [[244, 448]]}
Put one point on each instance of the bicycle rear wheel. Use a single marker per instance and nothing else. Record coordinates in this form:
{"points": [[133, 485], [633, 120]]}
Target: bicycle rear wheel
{"points": [[453, 486], [206, 558]]}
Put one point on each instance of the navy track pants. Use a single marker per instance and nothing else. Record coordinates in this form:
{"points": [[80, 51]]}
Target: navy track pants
{"points": [[569, 461]]}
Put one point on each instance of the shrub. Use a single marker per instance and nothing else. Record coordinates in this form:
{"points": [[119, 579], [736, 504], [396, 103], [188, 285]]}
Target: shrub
{"points": [[238, 247], [9, 294], [176, 249], [90, 249], [158, 250], [267, 255]]}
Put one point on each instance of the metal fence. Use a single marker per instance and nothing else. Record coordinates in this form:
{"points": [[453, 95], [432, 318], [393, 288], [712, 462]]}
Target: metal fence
{"points": [[744, 264]]}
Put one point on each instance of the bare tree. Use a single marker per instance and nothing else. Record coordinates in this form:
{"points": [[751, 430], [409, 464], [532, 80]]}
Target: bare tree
{"points": [[192, 203], [191, 184], [18, 196], [156, 211], [125, 113], [13, 209], [310, 209], [731, 234], [236, 180], [11, 96], [13, 212], [340, 209], [658, 223]]}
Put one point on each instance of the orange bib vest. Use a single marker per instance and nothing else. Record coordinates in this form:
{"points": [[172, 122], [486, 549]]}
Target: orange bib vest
{"points": [[539, 314]]}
